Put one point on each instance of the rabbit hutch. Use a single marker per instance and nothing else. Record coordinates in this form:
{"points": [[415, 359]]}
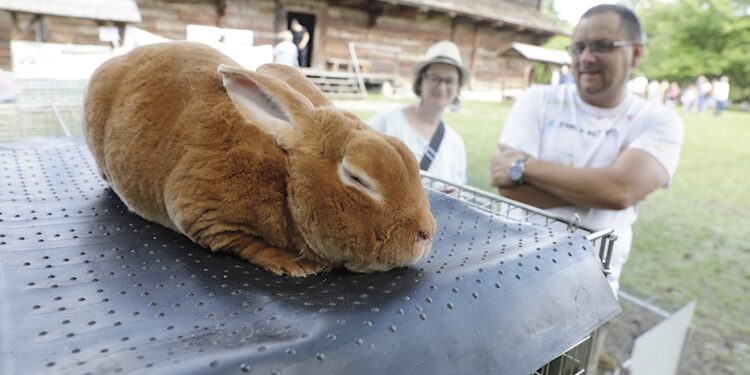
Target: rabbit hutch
{"points": [[88, 287]]}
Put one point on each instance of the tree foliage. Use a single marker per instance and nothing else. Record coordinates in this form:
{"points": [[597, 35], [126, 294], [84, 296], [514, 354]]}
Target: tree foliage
{"points": [[690, 38]]}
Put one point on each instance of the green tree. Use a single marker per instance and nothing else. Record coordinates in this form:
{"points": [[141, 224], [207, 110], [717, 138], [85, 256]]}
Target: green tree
{"points": [[689, 38], [547, 8], [560, 42]]}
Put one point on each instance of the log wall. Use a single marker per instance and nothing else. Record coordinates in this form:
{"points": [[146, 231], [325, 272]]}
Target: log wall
{"points": [[337, 23]]}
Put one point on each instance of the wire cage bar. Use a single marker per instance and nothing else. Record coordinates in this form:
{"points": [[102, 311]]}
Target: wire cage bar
{"points": [[575, 360], [603, 239], [43, 107]]}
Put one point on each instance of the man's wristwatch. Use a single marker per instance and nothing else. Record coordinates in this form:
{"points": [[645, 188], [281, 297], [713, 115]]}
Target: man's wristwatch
{"points": [[515, 173]]}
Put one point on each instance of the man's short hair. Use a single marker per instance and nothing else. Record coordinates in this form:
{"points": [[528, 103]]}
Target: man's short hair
{"points": [[630, 22]]}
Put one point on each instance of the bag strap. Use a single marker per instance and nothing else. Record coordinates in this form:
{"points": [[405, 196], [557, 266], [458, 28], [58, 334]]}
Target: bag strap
{"points": [[431, 152]]}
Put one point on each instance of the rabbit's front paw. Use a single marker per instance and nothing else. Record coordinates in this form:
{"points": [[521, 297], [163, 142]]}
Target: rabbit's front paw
{"points": [[295, 267], [279, 261]]}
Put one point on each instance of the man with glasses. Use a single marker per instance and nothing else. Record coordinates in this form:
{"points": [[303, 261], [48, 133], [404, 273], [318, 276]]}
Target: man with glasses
{"points": [[593, 148]]}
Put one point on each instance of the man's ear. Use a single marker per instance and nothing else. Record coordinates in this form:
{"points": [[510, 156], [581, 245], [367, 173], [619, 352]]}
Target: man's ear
{"points": [[637, 55]]}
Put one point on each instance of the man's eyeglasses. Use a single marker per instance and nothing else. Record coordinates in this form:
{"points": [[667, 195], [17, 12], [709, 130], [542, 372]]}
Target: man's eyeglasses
{"points": [[599, 46], [435, 80]]}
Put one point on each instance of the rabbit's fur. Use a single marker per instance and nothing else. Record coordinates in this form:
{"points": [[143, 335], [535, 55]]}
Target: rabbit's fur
{"points": [[257, 163]]}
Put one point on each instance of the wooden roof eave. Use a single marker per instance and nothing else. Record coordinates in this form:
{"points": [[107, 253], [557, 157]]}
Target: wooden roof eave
{"points": [[120, 11], [99, 20], [498, 21]]}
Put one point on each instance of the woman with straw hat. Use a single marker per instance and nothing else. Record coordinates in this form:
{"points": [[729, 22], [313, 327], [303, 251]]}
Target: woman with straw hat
{"points": [[438, 78]]}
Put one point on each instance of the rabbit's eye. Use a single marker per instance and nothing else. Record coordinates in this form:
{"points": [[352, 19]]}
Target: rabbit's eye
{"points": [[357, 180], [360, 181]]}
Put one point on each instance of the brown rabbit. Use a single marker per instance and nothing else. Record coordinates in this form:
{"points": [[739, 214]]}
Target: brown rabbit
{"points": [[256, 163]]}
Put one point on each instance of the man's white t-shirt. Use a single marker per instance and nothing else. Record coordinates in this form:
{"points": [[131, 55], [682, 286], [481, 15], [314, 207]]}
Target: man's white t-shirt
{"points": [[552, 123], [450, 161]]}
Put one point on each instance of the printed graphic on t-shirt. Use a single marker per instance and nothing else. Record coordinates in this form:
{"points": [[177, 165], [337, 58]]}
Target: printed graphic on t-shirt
{"points": [[581, 144]]}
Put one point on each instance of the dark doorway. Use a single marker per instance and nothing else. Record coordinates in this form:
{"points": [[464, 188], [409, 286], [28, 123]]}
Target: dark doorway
{"points": [[308, 22]]}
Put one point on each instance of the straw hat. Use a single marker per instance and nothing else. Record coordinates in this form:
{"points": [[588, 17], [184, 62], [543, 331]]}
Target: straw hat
{"points": [[445, 52]]}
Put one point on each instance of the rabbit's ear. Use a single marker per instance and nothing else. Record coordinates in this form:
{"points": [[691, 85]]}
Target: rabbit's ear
{"points": [[294, 78], [267, 102]]}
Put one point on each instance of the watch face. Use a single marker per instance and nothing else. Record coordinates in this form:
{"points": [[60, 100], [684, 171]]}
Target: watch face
{"points": [[515, 172]]}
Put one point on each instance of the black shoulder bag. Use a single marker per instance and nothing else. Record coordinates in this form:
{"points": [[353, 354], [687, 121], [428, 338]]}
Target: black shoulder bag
{"points": [[431, 152]]}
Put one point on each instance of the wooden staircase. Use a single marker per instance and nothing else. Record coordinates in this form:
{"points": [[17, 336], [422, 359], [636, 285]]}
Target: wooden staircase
{"points": [[351, 83], [343, 84]]}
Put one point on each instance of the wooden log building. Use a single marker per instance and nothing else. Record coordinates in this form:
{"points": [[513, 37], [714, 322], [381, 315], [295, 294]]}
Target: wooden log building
{"points": [[391, 34]]}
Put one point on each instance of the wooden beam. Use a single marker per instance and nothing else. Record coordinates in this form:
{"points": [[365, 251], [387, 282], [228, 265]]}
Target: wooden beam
{"points": [[39, 28], [374, 11], [19, 29], [527, 73], [473, 58], [15, 32], [454, 26], [321, 35], [359, 4], [402, 12], [121, 29], [279, 16], [221, 11]]}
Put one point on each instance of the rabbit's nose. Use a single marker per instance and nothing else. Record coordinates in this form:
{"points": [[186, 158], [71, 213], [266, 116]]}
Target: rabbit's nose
{"points": [[423, 235]]}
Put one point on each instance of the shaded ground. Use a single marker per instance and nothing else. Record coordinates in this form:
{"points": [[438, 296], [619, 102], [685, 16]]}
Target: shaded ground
{"points": [[622, 331]]}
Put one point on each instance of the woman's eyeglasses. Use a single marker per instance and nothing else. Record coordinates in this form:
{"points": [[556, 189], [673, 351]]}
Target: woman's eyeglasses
{"points": [[599, 46], [435, 80]]}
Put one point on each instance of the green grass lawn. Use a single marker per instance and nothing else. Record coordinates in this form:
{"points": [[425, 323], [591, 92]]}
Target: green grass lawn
{"points": [[691, 241]]}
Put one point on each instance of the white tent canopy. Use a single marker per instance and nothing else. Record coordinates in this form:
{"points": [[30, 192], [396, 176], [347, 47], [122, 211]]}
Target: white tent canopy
{"points": [[541, 54]]}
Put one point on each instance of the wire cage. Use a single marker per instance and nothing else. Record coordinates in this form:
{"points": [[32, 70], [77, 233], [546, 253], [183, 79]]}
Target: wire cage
{"points": [[577, 359], [43, 107]]}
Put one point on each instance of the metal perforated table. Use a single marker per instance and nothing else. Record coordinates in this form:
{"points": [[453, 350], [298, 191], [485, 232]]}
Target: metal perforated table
{"points": [[87, 287]]}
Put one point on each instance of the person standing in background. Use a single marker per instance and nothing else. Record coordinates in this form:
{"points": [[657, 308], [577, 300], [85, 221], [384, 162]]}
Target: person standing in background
{"points": [[721, 95], [565, 75], [301, 38], [690, 99], [652, 91], [663, 92], [704, 92], [638, 86], [555, 79], [286, 53], [673, 94]]}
